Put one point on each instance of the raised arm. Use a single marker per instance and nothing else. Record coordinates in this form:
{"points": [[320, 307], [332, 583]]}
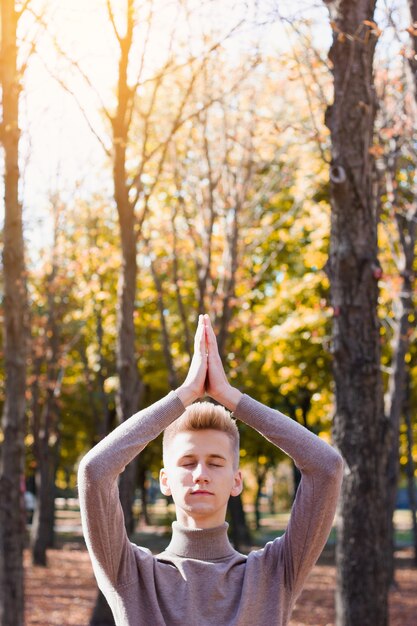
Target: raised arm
{"points": [[101, 511], [321, 468]]}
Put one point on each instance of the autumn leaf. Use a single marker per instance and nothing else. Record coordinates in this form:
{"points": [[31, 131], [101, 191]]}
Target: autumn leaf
{"points": [[376, 150]]}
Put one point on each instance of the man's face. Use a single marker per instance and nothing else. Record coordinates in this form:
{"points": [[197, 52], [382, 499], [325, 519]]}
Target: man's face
{"points": [[200, 476]]}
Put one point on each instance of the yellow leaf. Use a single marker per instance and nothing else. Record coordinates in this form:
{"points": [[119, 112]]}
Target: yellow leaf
{"points": [[376, 150]]}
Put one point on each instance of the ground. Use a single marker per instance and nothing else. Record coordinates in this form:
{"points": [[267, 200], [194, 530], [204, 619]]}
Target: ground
{"points": [[63, 594]]}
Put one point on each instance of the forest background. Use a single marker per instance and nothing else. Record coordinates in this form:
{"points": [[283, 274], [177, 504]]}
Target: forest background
{"points": [[173, 158]]}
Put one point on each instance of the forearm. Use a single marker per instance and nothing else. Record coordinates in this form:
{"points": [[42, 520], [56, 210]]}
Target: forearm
{"points": [[111, 455], [316, 499], [229, 397], [101, 511], [309, 452]]}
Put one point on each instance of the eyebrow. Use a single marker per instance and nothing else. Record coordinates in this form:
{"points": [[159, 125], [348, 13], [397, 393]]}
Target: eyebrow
{"points": [[210, 456]]}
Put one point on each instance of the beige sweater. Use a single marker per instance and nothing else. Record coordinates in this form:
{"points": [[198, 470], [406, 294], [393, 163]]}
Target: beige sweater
{"points": [[200, 580]]}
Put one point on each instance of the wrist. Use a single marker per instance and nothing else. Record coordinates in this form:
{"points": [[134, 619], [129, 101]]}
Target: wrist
{"points": [[186, 395], [229, 397]]}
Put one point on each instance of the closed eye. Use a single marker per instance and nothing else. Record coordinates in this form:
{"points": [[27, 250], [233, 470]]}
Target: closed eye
{"points": [[193, 464]]}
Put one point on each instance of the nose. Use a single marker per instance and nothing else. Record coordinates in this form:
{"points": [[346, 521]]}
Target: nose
{"points": [[200, 474]]}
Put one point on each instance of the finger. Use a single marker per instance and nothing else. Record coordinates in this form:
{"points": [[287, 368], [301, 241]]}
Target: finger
{"points": [[200, 337], [205, 339], [197, 333], [204, 347], [211, 337]]}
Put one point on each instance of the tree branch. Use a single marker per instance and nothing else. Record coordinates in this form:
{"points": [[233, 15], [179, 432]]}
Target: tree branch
{"points": [[23, 8], [81, 108], [61, 52], [112, 21]]}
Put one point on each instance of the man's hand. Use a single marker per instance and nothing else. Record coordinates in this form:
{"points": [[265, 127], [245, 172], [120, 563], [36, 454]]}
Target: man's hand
{"points": [[194, 385], [217, 385]]}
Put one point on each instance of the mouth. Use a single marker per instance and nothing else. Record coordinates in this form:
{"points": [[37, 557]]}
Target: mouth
{"points": [[202, 492]]}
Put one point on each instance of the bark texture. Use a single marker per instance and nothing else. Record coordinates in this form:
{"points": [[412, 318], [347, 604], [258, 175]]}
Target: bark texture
{"points": [[360, 426], [12, 525]]}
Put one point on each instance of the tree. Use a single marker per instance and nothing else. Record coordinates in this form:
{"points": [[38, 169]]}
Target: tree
{"points": [[45, 410], [410, 235], [360, 426], [396, 167], [51, 340], [401, 201], [12, 528], [410, 465]]}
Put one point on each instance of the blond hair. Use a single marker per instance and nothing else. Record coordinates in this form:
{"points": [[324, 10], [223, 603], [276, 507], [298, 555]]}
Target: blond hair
{"points": [[204, 416]]}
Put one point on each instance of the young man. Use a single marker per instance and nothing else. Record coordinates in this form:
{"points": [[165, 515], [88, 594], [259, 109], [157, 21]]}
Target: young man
{"points": [[200, 580]]}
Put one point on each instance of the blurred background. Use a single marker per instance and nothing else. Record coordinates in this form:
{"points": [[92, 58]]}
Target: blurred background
{"points": [[165, 158]]}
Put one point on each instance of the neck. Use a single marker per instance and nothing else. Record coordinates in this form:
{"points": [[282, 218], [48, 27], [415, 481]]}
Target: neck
{"points": [[197, 522], [205, 544]]}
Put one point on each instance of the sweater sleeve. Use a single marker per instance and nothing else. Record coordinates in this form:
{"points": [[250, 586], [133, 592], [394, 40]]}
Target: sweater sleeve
{"points": [[102, 517], [315, 504]]}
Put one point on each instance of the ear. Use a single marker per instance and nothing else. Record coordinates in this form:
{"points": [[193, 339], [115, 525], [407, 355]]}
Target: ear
{"points": [[237, 484], [163, 482]]}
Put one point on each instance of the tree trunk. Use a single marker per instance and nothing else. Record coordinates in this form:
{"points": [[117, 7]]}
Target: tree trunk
{"points": [[12, 530], [261, 473], [176, 279], [296, 478], [259, 484], [130, 385], [396, 389], [411, 482], [240, 532], [46, 432], [166, 346], [144, 494], [102, 614], [42, 532], [43, 526], [229, 281], [103, 422], [360, 427], [405, 217]]}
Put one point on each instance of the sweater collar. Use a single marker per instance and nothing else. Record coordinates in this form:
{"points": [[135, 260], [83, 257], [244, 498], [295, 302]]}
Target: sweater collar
{"points": [[204, 544]]}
